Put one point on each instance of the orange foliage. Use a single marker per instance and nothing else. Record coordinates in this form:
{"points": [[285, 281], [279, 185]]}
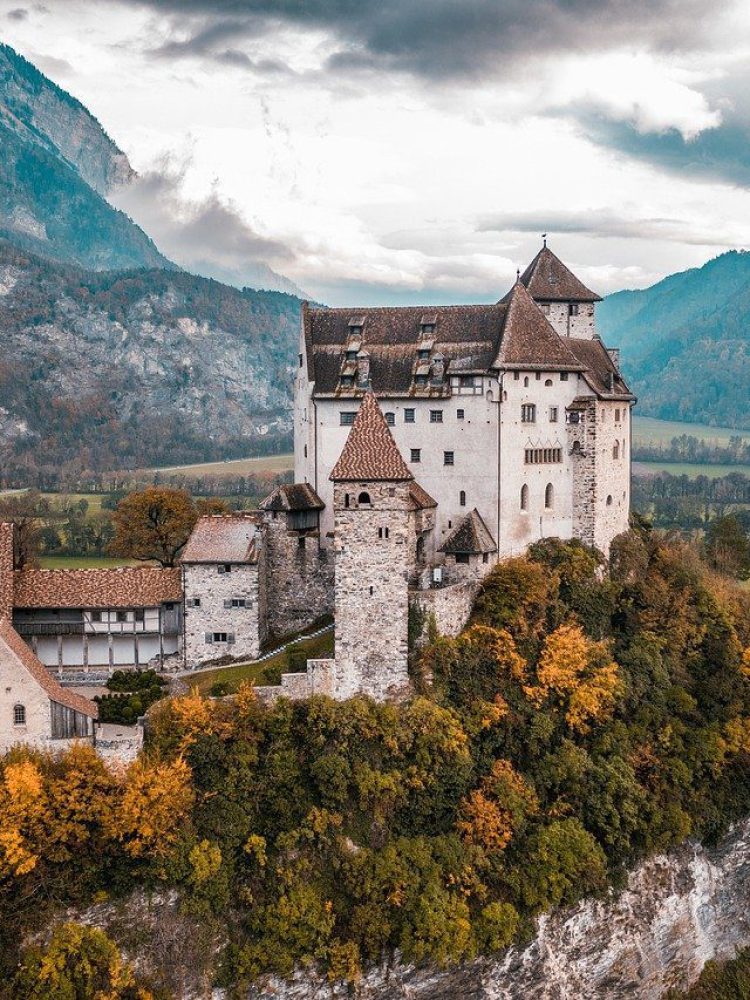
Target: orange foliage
{"points": [[154, 800], [490, 815]]}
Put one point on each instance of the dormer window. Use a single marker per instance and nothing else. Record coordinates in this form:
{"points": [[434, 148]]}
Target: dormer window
{"points": [[420, 380], [347, 380], [428, 328], [351, 355], [423, 354]]}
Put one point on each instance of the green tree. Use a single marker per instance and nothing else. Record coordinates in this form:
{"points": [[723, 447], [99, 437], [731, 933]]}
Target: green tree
{"points": [[153, 525]]}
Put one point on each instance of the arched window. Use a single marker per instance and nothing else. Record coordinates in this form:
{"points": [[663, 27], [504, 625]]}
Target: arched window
{"points": [[576, 447], [524, 497], [462, 498], [609, 500], [19, 715], [623, 447], [363, 498], [346, 500], [549, 496], [616, 449], [548, 381], [526, 381]]}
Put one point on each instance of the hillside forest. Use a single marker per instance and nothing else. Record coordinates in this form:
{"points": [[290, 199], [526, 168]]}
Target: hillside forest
{"points": [[577, 725]]}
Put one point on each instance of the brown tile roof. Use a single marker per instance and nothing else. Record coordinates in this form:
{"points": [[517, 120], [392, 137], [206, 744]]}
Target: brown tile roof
{"points": [[223, 538], [470, 536], [419, 498], [292, 497], [601, 372], [467, 337], [11, 644], [549, 280], [370, 453], [528, 339], [127, 587]]}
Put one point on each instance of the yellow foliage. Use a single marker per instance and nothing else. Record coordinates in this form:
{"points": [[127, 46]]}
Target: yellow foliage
{"points": [[195, 715], [22, 806], [205, 859], [578, 673], [745, 666], [484, 823], [737, 734], [154, 800]]}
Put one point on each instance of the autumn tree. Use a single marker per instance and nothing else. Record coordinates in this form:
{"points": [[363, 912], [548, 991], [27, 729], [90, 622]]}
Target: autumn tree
{"points": [[728, 547], [27, 511], [492, 813], [153, 525], [155, 799]]}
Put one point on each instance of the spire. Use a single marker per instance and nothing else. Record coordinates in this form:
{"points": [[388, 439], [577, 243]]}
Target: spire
{"points": [[549, 280], [370, 453]]}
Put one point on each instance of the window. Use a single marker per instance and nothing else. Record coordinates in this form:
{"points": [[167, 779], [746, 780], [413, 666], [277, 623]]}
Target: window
{"points": [[516, 376], [347, 418], [485, 557], [416, 454], [301, 542], [371, 591], [390, 419], [609, 500], [617, 416], [96, 616], [553, 414], [346, 499], [467, 382], [459, 414], [573, 309], [193, 602], [436, 416], [423, 354], [19, 715], [528, 413], [447, 458], [300, 360], [462, 498], [305, 451], [548, 382], [462, 557], [420, 380], [225, 568], [408, 415], [538, 376], [383, 532], [616, 449], [545, 308], [576, 447], [526, 382], [139, 615], [549, 496], [239, 602], [347, 380], [542, 456], [363, 498], [122, 616], [524, 497], [220, 637], [351, 355], [563, 376]]}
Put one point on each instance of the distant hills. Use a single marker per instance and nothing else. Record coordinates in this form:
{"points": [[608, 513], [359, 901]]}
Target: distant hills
{"points": [[685, 342]]}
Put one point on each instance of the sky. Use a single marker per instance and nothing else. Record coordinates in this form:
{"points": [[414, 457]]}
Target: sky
{"points": [[414, 151]]}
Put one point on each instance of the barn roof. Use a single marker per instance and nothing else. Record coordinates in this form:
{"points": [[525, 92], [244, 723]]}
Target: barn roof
{"points": [[549, 280], [370, 453], [126, 587], [223, 538], [13, 647]]}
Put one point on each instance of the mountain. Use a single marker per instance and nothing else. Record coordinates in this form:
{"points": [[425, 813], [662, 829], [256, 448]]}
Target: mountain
{"points": [[105, 370], [685, 342], [56, 167]]}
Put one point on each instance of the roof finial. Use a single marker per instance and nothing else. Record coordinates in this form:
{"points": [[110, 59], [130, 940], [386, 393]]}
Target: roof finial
{"points": [[518, 274], [544, 240]]}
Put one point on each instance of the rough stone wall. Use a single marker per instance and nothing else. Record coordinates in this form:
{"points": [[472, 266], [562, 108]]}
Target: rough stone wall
{"points": [[299, 577], [583, 325], [371, 590], [451, 606], [18, 687], [205, 583], [582, 446], [7, 538], [612, 473]]}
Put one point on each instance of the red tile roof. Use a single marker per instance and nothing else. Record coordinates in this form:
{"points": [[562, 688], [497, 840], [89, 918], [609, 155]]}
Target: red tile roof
{"points": [[12, 644], [419, 498], [549, 280], [127, 587], [223, 538], [529, 340], [370, 453]]}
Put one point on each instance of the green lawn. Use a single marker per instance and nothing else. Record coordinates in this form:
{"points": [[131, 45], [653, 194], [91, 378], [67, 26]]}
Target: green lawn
{"points": [[235, 467], [266, 672], [649, 431], [86, 562], [686, 469]]}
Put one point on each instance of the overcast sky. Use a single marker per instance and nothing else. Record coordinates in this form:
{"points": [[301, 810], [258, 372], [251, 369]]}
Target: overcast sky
{"points": [[414, 150]]}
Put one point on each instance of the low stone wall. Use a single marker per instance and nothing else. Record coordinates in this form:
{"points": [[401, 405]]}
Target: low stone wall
{"points": [[451, 606]]}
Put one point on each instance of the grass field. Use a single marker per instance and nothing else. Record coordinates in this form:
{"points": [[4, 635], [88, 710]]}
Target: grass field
{"points": [[85, 562], [649, 431], [686, 469], [259, 673], [236, 467]]}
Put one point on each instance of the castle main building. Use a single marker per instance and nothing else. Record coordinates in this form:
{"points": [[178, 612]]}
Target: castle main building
{"points": [[514, 416]]}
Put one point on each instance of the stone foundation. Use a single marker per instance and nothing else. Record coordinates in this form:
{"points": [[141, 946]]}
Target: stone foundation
{"points": [[451, 606], [299, 577]]}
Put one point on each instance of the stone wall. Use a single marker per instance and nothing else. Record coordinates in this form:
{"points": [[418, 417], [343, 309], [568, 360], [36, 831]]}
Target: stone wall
{"points": [[451, 606], [583, 325], [299, 577], [7, 538], [582, 446], [372, 565], [244, 626], [18, 687], [612, 472]]}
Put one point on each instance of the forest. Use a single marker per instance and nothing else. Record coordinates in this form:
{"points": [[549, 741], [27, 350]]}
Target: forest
{"points": [[579, 723]]}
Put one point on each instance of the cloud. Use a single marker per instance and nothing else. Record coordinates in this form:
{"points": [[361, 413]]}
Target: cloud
{"points": [[17, 14], [601, 223], [208, 236], [443, 39]]}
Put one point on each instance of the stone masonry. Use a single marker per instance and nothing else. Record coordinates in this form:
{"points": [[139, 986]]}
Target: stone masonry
{"points": [[299, 575], [228, 618]]}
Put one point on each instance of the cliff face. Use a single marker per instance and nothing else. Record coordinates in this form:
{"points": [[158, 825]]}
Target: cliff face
{"points": [[675, 914]]}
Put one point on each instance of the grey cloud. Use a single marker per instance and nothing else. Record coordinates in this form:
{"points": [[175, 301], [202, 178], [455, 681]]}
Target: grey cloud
{"points": [[207, 236], [439, 39], [17, 14], [600, 224]]}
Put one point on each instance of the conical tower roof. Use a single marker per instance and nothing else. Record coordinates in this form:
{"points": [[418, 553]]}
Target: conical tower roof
{"points": [[549, 280], [370, 453]]}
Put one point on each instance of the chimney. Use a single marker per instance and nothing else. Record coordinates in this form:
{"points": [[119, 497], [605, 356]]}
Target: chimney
{"points": [[614, 353], [363, 370]]}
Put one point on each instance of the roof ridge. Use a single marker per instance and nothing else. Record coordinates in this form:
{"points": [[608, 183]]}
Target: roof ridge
{"points": [[370, 452]]}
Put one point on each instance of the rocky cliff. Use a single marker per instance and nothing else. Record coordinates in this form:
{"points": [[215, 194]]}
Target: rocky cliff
{"points": [[675, 913]]}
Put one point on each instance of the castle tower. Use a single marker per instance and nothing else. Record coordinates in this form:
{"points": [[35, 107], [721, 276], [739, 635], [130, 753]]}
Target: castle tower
{"points": [[373, 559], [564, 299]]}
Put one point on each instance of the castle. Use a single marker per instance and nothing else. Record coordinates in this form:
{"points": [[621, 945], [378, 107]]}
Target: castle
{"points": [[430, 442]]}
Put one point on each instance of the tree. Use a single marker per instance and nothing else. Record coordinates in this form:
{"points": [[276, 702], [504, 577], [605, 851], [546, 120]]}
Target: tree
{"points": [[79, 963], [26, 511], [153, 524], [728, 547]]}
